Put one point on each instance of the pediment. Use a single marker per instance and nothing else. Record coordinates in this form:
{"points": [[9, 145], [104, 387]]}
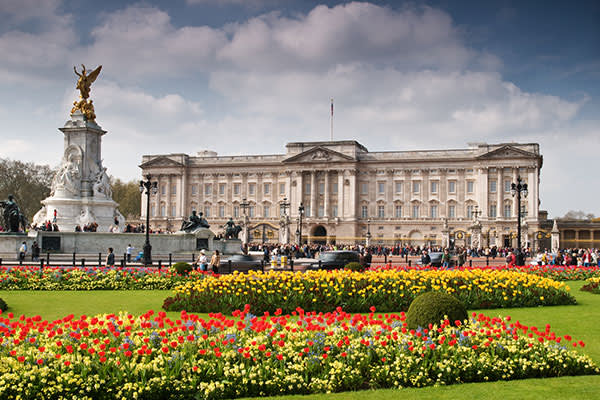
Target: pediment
{"points": [[506, 151], [319, 154], [161, 162]]}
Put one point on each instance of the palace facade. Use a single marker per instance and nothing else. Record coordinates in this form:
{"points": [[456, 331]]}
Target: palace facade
{"points": [[352, 195]]}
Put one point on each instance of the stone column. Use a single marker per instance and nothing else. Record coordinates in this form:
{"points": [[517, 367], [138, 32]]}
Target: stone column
{"points": [[500, 194], [352, 212], [326, 195], [229, 194], [340, 195], [514, 206], [313, 194], [182, 197]]}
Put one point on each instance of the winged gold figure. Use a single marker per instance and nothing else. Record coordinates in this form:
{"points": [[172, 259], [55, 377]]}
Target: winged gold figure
{"points": [[85, 80]]}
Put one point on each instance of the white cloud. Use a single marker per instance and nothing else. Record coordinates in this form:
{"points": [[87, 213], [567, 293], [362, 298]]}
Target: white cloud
{"points": [[401, 79]]}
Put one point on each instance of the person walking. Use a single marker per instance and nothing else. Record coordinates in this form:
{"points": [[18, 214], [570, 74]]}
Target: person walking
{"points": [[215, 260], [35, 251], [22, 251], [202, 260], [446, 259], [128, 251], [110, 258]]}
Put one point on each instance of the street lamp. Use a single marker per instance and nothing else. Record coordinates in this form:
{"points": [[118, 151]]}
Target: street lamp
{"points": [[150, 188], [516, 189], [284, 206], [368, 241], [476, 213], [299, 231]]}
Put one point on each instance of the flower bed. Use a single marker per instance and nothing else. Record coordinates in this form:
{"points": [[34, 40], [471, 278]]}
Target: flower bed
{"points": [[388, 290], [91, 278], [592, 285], [556, 272], [122, 356]]}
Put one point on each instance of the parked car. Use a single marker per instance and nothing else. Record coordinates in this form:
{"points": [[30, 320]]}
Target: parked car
{"points": [[240, 262], [436, 259], [335, 259]]}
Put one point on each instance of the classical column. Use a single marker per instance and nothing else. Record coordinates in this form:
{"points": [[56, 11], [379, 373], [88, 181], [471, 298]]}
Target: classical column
{"points": [[352, 212], [389, 193], [326, 195], [340, 195], [514, 205], [182, 196], [299, 193], [229, 193], [313, 194], [500, 194]]}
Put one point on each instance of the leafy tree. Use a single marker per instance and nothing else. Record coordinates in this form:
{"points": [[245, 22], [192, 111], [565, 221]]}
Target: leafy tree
{"points": [[29, 183], [127, 194], [581, 215]]}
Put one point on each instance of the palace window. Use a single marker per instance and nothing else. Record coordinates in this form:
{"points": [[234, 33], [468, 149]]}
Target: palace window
{"points": [[493, 211], [206, 211], [321, 211], [236, 189], [266, 211], [452, 211], [334, 211], [251, 211], [221, 211], [236, 211], [451, 186], [152, 210], [163, 189], [173, 210], [470, 186], [307, 188], [507, 186], [364, 212], [266, 188], [194, 189], [398, 187], [307, 211], [282, 188], [381, 187], [364, 188], [252, 189], [470, 209], [493, 186], [433, 211], [321, 187], [507, 211], [221, 189], [174, 189], [415, 211], [208, 189], [334, 188], [416, 187], [381, 211], [163, 210], [398, 211], [434, 187]]}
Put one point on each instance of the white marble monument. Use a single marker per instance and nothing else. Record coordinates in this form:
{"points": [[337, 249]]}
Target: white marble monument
{"points": [[81, 192]]}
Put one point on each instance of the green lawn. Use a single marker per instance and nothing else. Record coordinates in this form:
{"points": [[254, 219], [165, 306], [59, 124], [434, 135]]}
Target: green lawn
{"points": [[580, 321]]}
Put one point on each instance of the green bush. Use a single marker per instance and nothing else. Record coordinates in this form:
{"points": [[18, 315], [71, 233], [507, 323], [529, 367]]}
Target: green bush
{"points": [[3, 305], [182, 268], [355, 266], [432, 307]]}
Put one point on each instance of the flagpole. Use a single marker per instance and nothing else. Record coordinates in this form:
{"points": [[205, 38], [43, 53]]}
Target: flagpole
{"points": [[331, 130]]}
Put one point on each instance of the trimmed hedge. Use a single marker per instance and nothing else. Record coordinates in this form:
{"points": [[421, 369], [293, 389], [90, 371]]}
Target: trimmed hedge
{"points": [[433, 307]]}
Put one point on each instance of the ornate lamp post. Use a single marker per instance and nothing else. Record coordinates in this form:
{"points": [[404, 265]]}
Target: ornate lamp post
{"points": [[368, 239], [284, 206], [516, 189], [299, 231], [150, 188], [245, 205]]}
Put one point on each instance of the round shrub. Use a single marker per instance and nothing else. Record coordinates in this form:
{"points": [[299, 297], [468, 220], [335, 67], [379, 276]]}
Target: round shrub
{"points": [[355, 266], [3, 305], [182, 268], [431, 307]]}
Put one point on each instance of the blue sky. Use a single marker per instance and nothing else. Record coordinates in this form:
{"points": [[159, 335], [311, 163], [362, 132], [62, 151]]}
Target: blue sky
{"points": [[249, 76]]}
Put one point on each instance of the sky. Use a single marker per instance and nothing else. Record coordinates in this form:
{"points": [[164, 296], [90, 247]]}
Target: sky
{"points": [[249, 76]]}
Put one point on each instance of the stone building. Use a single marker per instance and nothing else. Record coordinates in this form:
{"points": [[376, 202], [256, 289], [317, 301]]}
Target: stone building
{"points": [[352, 195]]}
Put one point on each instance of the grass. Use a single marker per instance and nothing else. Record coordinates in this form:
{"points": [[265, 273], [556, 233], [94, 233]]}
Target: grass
{"points": [[580, 321]]}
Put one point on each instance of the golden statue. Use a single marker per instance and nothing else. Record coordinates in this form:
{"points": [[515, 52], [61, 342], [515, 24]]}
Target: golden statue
{"points": [[83, 84]]}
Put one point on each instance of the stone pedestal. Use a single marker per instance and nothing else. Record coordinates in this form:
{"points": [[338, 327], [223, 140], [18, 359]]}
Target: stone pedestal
{"points": [[476, 235], [81, 192], [555, 238]]}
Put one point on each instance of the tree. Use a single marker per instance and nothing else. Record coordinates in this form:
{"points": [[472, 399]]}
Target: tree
{"points": [[29, 183], [578, 215], [127, 194]]}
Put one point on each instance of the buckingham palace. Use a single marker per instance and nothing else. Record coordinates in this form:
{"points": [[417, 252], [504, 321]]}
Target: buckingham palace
{"points": [[340, 192]]}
